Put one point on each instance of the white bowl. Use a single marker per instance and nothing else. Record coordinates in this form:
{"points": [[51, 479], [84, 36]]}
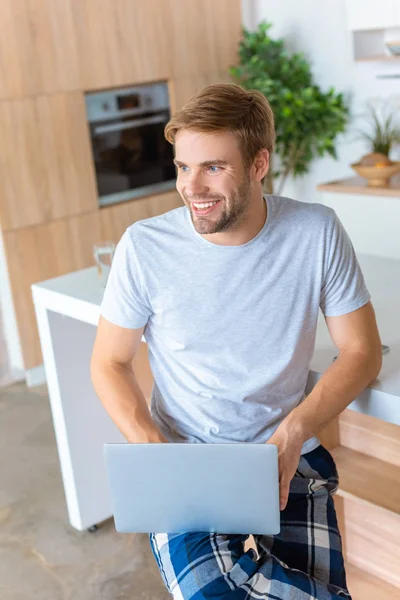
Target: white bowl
{"points": [[394, 48]]}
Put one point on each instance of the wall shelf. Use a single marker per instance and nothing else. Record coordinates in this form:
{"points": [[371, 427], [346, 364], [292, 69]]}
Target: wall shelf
{"points": [[358, 185], [382, 58], [370, 45]]}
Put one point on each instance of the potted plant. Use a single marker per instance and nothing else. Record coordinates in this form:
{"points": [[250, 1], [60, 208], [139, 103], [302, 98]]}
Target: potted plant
{"points": [[307, 120], [384, 132]]}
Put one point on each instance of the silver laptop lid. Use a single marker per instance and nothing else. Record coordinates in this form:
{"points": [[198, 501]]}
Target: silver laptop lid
{"points": [[173, 488]]}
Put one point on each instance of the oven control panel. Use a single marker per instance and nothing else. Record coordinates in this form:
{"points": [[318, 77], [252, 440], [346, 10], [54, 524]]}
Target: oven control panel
{"points": [[113, 104]]}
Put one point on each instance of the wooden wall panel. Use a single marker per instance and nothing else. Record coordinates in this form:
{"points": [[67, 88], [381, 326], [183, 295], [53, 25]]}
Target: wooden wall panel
{"points": [[39, 253], [125, 42], [48, 46], [23, 193], [115, 219], [19, 67], [225, 31], [204, 35], [54, 44], [182, 89], [121, 43], [38, 50], [191, 47], [46, 162], [69, 163]]}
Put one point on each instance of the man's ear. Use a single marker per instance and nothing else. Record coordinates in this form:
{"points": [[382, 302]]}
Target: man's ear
{"points": [[261, 164]]}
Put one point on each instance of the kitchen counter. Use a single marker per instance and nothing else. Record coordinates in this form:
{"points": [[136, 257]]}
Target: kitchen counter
{"points": [[382, 398], [371, 216], [67, 311]]}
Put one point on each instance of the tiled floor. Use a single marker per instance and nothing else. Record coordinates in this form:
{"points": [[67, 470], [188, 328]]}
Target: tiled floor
{"points": [[41, 556]]}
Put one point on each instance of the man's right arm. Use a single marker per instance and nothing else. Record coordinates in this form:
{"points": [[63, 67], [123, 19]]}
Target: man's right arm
{"points": [[116, 385]]}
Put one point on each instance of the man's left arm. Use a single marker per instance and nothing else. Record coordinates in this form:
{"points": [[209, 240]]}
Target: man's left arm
{"points": [[359, 362]]}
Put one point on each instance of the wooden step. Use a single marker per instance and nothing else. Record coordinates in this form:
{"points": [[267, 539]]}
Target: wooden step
{"points": [[368, 479], [371, 540], [369, 435], [368, 509], [364, 586]]}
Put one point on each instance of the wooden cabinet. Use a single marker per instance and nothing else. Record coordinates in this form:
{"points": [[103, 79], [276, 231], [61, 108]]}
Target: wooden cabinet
{"points": [[38, 53], [48, 47], [19, 69], [115, 219], [120, 43], [38, 253], [182, 89], [369, 14], [46, 167]]}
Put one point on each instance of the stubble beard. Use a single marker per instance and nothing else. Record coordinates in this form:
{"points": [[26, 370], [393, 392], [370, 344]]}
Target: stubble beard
{"points": [[232, 212]]}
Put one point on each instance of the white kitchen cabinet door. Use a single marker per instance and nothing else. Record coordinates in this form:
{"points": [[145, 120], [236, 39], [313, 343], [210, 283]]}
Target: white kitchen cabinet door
{"points": [[372, 14]]}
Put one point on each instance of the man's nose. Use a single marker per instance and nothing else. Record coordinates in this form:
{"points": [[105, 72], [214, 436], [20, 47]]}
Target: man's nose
{"points": [[195, 185]]}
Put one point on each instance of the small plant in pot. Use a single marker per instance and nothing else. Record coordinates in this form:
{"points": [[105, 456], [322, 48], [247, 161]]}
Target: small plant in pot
{"points": [[384, 133]]}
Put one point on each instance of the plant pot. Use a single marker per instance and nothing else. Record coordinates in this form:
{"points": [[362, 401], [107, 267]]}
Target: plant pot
{"points": [[377, 176]]}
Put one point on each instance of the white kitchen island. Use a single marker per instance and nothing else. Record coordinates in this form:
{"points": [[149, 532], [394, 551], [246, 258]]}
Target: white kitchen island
{"points": [[67, 310]]}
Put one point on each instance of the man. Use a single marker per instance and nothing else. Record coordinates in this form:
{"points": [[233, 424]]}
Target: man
{"points": [[227, 289]]}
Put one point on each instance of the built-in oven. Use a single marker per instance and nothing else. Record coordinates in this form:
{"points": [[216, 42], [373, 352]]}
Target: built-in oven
{"points": [[131, 156]]}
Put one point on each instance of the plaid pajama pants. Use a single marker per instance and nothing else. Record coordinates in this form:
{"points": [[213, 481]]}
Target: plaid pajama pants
{"points": [[303, 562]]}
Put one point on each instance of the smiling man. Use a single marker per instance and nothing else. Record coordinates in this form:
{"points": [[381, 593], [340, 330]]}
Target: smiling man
{"points": [[227, 290]]}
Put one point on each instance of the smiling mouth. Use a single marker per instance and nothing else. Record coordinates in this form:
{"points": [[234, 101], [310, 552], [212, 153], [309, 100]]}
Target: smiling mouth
{"points": [[205, 211]]}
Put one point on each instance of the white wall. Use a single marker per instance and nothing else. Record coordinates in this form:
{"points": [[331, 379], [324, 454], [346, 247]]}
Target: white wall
{"points": [[11, 367], [319, 29]]}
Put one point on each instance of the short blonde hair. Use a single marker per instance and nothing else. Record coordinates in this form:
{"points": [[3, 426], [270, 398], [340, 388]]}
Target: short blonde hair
{"points": [[228, 107]]}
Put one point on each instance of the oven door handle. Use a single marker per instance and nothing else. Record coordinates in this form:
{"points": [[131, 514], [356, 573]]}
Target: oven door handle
{"points": [[128, 124]]}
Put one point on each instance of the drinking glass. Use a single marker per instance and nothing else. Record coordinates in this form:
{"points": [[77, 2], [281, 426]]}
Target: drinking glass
{"points": [[103, 253]]}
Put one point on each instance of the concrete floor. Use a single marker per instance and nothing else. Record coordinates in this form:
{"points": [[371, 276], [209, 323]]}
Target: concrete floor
{"points": [[41, 556], [6, 377]]}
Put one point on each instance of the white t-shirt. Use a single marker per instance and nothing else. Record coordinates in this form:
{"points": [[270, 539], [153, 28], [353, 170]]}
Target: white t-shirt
{"points": [[231, 329]]}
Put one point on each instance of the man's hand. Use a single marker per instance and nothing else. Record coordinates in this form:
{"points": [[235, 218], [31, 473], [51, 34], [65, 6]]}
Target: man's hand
{"points": [[290, 442]]}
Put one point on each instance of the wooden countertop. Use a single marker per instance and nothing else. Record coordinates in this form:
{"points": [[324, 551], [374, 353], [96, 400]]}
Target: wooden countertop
{"points": [[358, 185]]}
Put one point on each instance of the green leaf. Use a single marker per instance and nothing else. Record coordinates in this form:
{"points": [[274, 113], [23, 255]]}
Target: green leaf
{"points": [[307, 119]]}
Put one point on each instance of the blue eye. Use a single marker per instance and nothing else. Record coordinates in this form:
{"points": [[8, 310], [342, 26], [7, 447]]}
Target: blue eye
{"points": [[182, 167], [214, 167]]}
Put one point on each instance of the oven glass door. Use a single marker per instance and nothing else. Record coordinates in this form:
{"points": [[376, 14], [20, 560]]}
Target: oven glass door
{"points": [[132, 157]]}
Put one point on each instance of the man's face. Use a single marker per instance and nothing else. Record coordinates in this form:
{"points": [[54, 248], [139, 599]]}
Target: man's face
{"points": [[210, 168]]}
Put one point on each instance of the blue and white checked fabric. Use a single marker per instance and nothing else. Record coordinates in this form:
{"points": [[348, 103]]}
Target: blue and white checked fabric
{"points": [[303, 562]]}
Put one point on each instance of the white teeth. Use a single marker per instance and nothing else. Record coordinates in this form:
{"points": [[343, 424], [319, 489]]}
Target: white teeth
{"points": [[205, 205]]}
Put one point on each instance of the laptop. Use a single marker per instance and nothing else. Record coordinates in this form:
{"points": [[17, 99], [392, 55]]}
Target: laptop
{"points": [[182, 487]]}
